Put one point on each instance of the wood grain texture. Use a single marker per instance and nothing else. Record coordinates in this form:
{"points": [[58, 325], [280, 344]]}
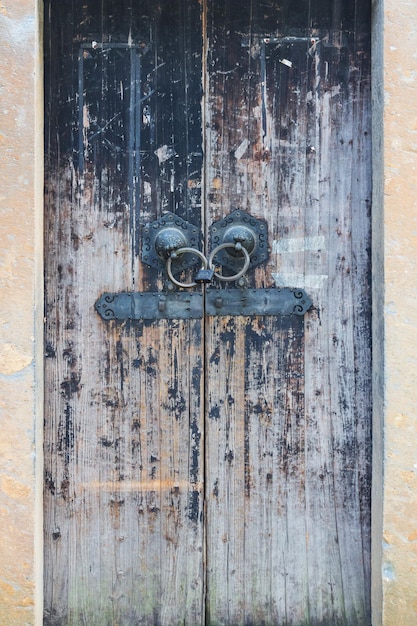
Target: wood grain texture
{"points": [[124, 440], [212, 471], [288, 523]]}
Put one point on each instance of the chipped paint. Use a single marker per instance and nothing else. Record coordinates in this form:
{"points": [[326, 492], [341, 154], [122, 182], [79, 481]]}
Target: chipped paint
{"points": [[164, 153]]}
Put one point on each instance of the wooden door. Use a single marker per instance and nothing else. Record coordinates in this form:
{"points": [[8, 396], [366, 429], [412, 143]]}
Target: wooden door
{"points": [[213, 470]]}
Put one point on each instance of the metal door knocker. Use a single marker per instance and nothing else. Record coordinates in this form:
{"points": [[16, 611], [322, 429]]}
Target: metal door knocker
{"points": [[240, 242]]}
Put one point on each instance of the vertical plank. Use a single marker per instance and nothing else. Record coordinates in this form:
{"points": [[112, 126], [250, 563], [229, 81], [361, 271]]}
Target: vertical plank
{"points": [[338, 392], [124, 435], [255, 439], [289, 140]]}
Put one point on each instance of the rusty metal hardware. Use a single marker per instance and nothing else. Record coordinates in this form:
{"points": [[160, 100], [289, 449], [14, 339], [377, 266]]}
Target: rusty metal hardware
{"points": [[239, 227], [207, 272], [204, 276], [150, 305], [239, 242], [274, 301], [166, 235], [233, 248], [190, 304], [174, 254]]}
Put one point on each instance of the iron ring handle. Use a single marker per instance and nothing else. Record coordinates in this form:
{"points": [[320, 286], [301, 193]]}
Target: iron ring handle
{"points": [[173, 255], [237, 246]]}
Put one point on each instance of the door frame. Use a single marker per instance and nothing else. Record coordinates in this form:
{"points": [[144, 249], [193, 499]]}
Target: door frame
{"points": [[21, 564]]}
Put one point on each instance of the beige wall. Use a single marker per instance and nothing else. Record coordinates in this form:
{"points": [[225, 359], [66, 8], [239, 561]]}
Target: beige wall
{"points": [[395, 291], [399, 567], [20, 311]]}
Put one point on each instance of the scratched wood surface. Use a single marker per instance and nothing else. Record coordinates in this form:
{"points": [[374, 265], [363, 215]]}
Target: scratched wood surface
{"points": [[288, 423], [124, 403], [212, 471]]}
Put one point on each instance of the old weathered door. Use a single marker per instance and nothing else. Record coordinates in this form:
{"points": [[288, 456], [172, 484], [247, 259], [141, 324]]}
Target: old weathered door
{"points": [[207, 469]]}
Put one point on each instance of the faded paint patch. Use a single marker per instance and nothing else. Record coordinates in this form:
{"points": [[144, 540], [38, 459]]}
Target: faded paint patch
{"points": [[20, 211], [303, 281], [12, 360], [164, 153], [298, 244], [240, 151], [13, 488], [147, 191], [388, 572]]}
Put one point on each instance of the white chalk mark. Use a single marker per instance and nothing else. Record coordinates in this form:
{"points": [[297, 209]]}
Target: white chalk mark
{"points": [[298, 244], [147, 191], [240, 150], [86, 118], [334, 91], [164, 153], [286, 62], [304, 281]]}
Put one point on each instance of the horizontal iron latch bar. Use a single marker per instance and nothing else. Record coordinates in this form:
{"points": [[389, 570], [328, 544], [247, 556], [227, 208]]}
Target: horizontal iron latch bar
{"points": [[194, 305], [274, 301]]}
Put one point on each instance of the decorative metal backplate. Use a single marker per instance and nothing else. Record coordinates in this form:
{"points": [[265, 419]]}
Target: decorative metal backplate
{"points": [[191, 304], [167, 233], [250, 231]]}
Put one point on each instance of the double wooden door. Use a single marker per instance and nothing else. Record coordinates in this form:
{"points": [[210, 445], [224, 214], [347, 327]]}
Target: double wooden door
{"points": [[213, 470]]}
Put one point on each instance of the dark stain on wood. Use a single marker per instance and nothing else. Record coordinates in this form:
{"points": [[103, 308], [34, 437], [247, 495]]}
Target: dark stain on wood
{"points": [[71, 386]]}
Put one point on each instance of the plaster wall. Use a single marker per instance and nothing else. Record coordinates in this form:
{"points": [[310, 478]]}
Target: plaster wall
{"points": [[395, 316], [20, 312], [399, 557]]}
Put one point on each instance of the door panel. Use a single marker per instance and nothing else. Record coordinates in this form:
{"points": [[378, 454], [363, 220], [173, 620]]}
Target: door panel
{"points": [[124, 430], [288, 469], [255, 482], [213, 470]]}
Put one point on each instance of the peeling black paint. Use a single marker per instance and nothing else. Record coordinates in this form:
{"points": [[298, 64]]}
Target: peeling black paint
{"points": [[136, 425], [229, 456], [106, 443], [215, 357], [49, 351], [49, 482], [66, 434], [196, 379], [71, 386], [195, 450], [214, 412], [194, 506]]}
